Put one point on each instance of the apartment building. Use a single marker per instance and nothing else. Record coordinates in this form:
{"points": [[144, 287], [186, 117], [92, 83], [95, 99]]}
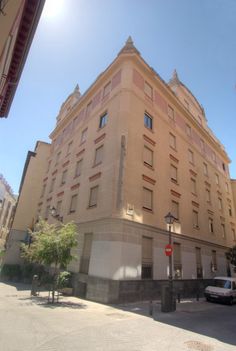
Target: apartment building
{"points": [[27, 202], [125, 153], [7, 208]]}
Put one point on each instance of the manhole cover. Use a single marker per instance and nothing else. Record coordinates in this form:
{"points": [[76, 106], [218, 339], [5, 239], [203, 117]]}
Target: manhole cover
{"points": [[198, 345]]}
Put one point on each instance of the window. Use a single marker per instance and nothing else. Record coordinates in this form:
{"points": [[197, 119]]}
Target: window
{"points": [[47, 212], [233, 234], [220, 204], [73, 203], [230, 211], [49, 164], [148, 90], [223, 230], [208, 195], [210, 223], [175, 209], [227, 187], [205, 169], [107, 89], [43, 190], [191, 156], [84, 135], [98, 155], [69, 146], [58, 157], [59, 203], [223, 166], [147, 199], [214, 157], [171, 113], [177, 261], [78, 168], [202, 144], [172, 141], [173, 173], [147, 121], [148, 156], [188, 130], [88, 108], [86, 253], [103, 120], [217, 179], [93, 196], [195, 219], [52, 185], [63, 177], [147, 258], [193, 186], [199, 263], [214, 262]]}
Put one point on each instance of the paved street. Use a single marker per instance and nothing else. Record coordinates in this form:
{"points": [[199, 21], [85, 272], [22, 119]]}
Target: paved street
{"points": [[31, 324]]}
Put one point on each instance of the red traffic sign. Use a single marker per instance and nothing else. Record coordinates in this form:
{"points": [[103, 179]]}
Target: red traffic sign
{"points": [[168, 250]]}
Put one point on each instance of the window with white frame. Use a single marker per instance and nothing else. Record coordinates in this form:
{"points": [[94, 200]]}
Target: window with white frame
{"points": [[69, 147], [223, 230], [208, 195], [78, 168], [148, 156], [147, 199], [103, 120], [205, 169], [64, 176], [73, 203], [193, 186], [220, 205], [52, 185], [148, 121], [195, 219], [188, 130], [170, 112], [98, 155], [173, 173], [93, 196], [217, 179], [191, 156], [172, 139], [210, 224], [84, 135], [175, 209]]}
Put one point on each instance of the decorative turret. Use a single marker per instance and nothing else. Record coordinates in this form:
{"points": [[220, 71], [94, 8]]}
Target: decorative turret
{"points": [[129, 47], [175, 79]]}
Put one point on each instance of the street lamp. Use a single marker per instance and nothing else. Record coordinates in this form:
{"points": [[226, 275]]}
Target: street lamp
{"points": [[54, 214], [169, 219]]}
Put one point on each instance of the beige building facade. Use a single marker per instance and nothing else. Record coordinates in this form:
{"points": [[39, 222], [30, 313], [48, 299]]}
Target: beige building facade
{"points": [[26, 206], [124, 154], [7, 208]]}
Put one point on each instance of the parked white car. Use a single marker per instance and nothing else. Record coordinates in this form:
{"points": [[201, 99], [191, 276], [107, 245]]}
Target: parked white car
{"points": [[223, 290]]}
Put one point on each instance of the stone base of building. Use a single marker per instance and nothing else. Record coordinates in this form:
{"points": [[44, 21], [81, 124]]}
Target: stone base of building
{"points": [[115, 291]]}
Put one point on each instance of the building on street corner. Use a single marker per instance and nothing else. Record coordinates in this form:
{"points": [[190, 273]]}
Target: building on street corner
{"points": [[125, 153]]}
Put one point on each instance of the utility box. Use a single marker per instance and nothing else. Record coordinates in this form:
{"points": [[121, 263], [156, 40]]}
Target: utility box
{"points": [[168, 301]]}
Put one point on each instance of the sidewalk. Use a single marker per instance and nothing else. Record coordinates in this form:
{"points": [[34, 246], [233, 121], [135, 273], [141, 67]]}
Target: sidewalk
{"points": [[30, 323]]}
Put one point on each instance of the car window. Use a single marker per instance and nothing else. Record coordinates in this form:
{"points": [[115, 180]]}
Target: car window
{"points": [[222, 283]]}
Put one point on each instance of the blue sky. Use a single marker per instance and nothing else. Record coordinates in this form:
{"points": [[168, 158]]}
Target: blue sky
{"points": [[77, 39]]}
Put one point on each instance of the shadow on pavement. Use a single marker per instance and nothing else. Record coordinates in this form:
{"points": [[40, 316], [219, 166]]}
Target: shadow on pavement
{"points": [[209, 319], [42, 301]]}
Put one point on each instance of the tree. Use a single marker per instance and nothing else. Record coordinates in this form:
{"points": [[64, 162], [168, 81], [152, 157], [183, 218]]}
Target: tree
{"points": [[231, 256], [51, 245]]}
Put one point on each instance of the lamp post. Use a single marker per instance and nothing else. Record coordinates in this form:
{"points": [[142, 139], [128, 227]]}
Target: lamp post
{"points": [[169, 219], [54, 214]]}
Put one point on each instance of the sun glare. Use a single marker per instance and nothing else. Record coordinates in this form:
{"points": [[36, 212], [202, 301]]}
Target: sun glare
{"points": [[53, 8]]}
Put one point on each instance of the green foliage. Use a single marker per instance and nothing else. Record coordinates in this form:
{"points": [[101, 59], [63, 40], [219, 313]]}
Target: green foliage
{"points": [[63, 280], [11, 271], [231, 255], [51, 245]]}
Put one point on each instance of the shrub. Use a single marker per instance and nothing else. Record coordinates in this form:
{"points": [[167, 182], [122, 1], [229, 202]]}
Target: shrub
{"points": [[11, 271]]}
